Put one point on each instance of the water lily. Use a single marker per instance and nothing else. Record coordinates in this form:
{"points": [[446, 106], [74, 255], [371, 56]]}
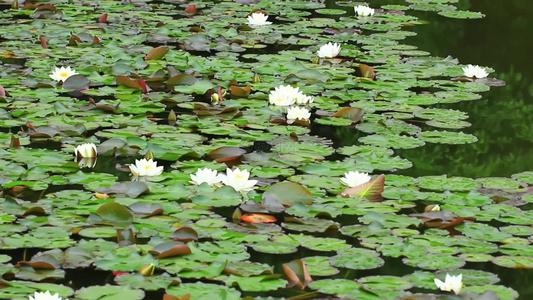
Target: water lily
{"points": [[45, 296], [329, 50], [435, 208], [355, 178], [475, 71], [283, 95], [145, 167], [363, 10], [302, 99], [85, 150], [238, 179], [297, 113], [258, 19], [61, 74], [205, 175], [451, 283]]}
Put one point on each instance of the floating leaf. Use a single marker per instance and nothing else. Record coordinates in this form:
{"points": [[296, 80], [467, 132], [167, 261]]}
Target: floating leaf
{"points": [[76, 82], [224, 154], [115, 213], [462, 14], [185, 234], [169, 249], [353, 113], [287, 193], [370, 190], [131, 189], [109, 292], [258, 218], [156, 53]]}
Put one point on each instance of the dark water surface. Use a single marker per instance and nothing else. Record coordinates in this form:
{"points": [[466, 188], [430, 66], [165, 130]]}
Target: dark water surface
{"points": [[503, 119]]}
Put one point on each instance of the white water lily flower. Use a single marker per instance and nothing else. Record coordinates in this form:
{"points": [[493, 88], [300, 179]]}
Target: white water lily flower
{"points": [[451, 283], [258, 19], [145, 167], [302, 99], [283, 95], [435, 208], [475, 71], [205, 175], [329, 50], [238, 179], [61, 74], [355, 178], [297, 113], [85, 150], [45, 296], [363, 10]]}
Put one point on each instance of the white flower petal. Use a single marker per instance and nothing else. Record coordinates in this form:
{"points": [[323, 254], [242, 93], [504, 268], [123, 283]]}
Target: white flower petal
{"points": [[205, 175], [356, 178], [61, 74], [283, 95], [475, 71], [86, 150], [238, 179], [329, 50], [451, 283], [363, 10], [145, 167], [258, 19], [45, 296], [298, 113]]}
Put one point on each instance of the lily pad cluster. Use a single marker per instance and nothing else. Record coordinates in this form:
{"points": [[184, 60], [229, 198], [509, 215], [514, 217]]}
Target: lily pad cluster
{"points": [[188, 86]]}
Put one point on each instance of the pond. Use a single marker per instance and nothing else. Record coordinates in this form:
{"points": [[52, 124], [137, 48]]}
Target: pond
{"points": [[199, 150]]}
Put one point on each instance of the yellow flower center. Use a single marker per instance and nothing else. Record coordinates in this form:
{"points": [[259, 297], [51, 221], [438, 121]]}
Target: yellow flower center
{"points": [[240, 176], [63, 74], [147, 166]]}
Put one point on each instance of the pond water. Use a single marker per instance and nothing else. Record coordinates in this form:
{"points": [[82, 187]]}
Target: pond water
{"points": [[190, 88], [503, 122]]}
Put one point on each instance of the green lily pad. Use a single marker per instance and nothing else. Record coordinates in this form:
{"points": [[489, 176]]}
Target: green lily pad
{"points": [[462, 14], [109, 292], [386, 283], [274, 248], [205, 291], [447, 137]]}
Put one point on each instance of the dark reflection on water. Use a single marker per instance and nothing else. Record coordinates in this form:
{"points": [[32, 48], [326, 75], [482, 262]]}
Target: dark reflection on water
{"points": [[503, 118]]}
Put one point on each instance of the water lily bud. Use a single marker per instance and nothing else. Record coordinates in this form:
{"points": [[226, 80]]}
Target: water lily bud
{"points": [[147, 270], [214, 98], [86, 150], [15, 4], [315, 60], [256, 78], [433, 207], [149, 155], [172, 118]]}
